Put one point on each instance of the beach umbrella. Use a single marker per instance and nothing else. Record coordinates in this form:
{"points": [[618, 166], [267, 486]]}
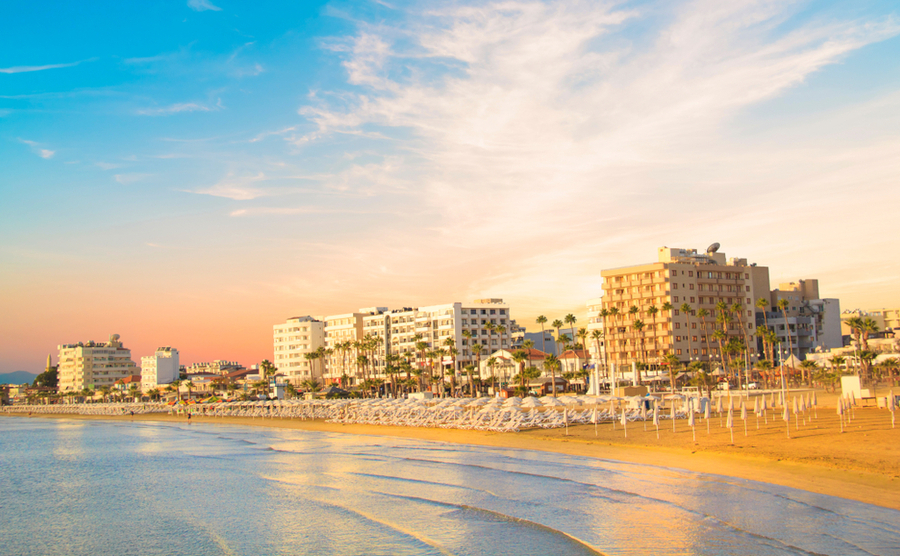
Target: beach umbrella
{"points": [[656, 417], [612, 411], [625, 421], [815, 404], [891, 403], [756, 410], [691, 420], [672, 411], [840, 411], [729, 423], [786, 415], [744, 415], [705, 407], [644, 414], [796, 412], [594, 420]]}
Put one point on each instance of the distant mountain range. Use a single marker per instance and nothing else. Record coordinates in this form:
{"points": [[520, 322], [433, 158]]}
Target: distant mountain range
{"points": [[18, 377]]}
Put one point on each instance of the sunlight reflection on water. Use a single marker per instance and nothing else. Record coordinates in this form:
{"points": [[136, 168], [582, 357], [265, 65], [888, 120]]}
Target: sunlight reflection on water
{"points": [[97, 487]]}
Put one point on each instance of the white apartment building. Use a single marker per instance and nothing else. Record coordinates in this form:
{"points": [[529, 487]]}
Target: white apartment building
{"points": [[160, 368], [93, 365], [397, 332], [294, 339]]}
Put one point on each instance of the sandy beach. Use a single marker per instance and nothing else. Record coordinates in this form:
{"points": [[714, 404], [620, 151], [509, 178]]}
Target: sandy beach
{"points": [[862, 463]]}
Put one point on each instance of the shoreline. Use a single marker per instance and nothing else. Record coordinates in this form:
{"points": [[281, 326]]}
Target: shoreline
{"points": [[872, 477]]}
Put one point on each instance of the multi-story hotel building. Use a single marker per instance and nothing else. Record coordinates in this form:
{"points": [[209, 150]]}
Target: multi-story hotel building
{"points": [[397, 332], [293, 340], [680, 276], [812, 323], [93, 365], [160, 368]]}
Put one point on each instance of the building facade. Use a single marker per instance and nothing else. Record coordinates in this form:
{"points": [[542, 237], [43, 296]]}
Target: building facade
{"points": [[93, 365], [160, 368], [813, 323], [293, 340], [644, 306]]}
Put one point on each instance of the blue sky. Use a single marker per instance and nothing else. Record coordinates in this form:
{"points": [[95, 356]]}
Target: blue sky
{"points": [[190, 173]]}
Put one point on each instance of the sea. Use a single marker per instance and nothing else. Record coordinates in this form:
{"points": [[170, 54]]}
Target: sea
{"points": [[72, 487]]}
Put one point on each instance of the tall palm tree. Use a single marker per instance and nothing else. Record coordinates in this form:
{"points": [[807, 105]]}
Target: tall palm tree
{"points": [[638, 326], [500, 330], [552, 362], [737, 309], [557, 324], [686, 309], [702, 314], [633, 313], [783, 305], [718, 336], [470, 368], [652, 312], [520, 357], [491, 328], [476, 350], [562, 343], [671, 360], [542, 320], [598, 335], [570, 320], [762, 303], [614, 315]]}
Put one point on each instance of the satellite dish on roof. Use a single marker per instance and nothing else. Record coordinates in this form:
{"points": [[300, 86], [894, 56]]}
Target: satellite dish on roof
{"points": [[712, 248]]}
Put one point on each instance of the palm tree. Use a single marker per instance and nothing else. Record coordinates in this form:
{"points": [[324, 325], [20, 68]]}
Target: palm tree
{"points": [[686, 309], [552, 362], [501, 330], [520, 357], [570, 320], [651, 312], [638, 326], [491, 328], [702, 314], [557, 324], [718, 336], [614, 314], [808, 367], [783, 305], [762, 303], [562, 343], [670, 359], [582, 335], [470, 368], [598, 335], [542, 320]]}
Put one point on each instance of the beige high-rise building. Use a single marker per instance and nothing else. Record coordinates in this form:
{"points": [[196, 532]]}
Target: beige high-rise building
{"points": [[680, 276], [94, 365], [294, 339]]}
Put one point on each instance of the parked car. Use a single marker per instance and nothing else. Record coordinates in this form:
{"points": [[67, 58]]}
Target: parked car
{"points": [[723, 386], [751, 386]]}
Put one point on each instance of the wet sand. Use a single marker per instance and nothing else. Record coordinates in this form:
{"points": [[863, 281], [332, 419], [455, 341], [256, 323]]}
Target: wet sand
{"points": [[862, 463]]}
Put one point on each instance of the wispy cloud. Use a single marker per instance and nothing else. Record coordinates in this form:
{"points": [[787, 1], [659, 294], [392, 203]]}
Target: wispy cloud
{"points": [[127, 179], [202, 6], [174, 109], [515, 118], [239, 188], [107, 165], [37, 149], [26, 69]]}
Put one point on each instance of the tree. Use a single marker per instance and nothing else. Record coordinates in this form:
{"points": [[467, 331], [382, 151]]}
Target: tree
{"points": [[671, 360], [638, 326], [47, 379], [702, 314], [557, 324], [808, 368], [651, 312], [542, 320], [266, 369], [687, 310], [552, 362], [762, 303], [520, 357], [311, 385], [783, 305], [154, 394], [132, 390], [562, 343], [476, 350], [470, 368], [571, 320], [597, 335]]}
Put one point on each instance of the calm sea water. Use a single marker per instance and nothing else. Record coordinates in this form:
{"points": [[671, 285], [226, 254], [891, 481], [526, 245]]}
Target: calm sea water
{"points": [[143, 488]]}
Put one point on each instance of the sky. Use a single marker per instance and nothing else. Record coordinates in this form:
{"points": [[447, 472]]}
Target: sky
{"points": [[192, 173]]}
